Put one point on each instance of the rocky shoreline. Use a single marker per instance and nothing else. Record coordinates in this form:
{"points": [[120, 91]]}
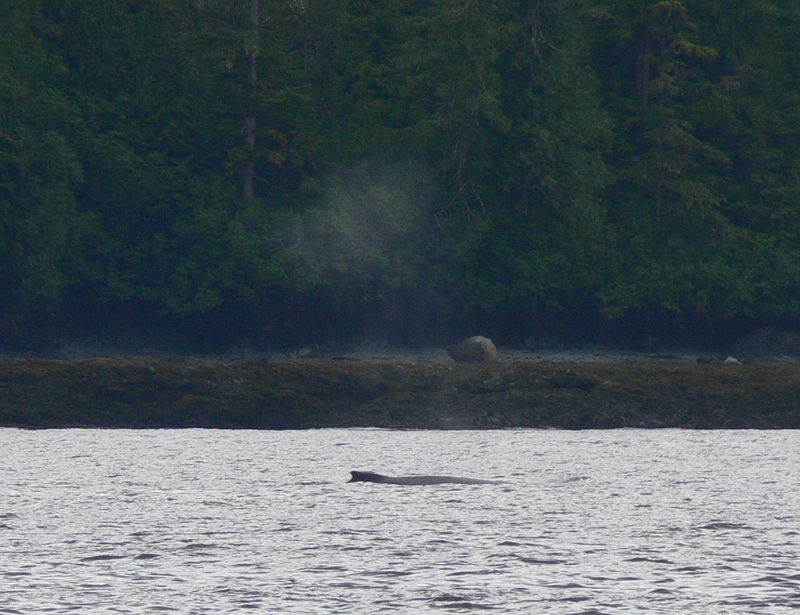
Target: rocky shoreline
{"points": [[186, 392]]}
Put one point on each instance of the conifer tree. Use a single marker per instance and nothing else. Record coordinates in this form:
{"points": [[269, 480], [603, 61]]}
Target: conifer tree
{"points": [[40, 223]]}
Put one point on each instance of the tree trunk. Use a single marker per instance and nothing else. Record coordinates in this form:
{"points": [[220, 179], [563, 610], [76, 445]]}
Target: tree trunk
{"points": [[250, 120], [643, 70]]}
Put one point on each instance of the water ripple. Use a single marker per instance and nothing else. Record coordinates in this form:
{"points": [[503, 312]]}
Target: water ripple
{"points": [[225, 522]]}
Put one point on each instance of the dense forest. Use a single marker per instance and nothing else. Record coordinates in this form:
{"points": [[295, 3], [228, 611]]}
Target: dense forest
{"points": [[282, 172]]}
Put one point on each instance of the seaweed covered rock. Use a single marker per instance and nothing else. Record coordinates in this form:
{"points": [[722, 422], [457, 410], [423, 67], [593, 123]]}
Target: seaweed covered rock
{"points": [[142, 392], [477, 349]]}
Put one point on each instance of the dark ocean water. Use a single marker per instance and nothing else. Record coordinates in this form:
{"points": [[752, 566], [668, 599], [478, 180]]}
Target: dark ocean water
{"points": [[206, 521]]}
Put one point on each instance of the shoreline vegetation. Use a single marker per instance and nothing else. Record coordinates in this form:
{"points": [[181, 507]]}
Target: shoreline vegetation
{"points": [[148, 392], [281, 174]]}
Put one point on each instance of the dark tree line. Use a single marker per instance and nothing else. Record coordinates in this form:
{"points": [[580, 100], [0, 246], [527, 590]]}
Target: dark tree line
{"points": [[280, 171]]}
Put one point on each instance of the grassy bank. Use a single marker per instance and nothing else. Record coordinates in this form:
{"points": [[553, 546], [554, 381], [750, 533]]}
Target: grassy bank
{"points": [[147, 392]]}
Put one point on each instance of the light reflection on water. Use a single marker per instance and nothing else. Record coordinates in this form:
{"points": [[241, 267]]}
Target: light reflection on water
{"points": [[220, 521]]}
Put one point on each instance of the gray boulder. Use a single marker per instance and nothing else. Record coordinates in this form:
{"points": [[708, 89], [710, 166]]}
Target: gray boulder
{"points": [[706, 360], [477, 349]]}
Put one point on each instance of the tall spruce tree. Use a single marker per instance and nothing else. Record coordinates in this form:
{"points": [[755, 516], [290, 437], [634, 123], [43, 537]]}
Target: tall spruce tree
{"points": [[665, 201], [40, 224], [503, 103]]}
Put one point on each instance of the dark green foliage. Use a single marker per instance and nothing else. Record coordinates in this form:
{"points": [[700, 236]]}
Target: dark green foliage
{"points": [[682, 179], [40, 226], [420, 168]]}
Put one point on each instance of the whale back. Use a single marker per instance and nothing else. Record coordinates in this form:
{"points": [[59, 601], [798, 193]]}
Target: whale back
{"points": [[372, 477], [366, 477]]}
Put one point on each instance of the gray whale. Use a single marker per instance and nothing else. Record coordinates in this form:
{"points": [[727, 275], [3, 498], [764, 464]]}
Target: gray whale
{"points": [[372, 477]]}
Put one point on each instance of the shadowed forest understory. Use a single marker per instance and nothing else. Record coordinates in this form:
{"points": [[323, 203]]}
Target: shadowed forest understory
{"points": [[218, 174]]}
